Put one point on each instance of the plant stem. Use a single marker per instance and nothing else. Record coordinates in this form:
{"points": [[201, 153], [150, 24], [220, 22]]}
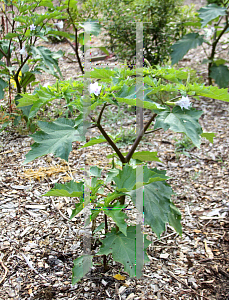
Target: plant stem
{"points": [[214, 44], [109, 140], [151, 131], [138, 139], [76, 40], [122, 202], [104, 256]]}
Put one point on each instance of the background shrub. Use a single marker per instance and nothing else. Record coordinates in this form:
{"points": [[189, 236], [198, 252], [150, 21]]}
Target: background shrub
{"points": [[218, 2], [164, 26]]}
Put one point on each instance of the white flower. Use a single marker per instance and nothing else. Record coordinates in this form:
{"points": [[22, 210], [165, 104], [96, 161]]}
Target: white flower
{"points": [[184, 103], [94, 88], [60, 24], [32, 27], [18, 24], [22, 51]]}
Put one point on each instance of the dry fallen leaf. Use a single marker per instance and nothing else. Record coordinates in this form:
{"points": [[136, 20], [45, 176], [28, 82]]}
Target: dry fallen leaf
{"points": [[119, 277]]}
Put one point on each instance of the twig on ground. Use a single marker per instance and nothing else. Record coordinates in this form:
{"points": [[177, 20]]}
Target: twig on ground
{"points": [[29, 263], [78, 293], [182, 282], [5, 269], [53, 203]]}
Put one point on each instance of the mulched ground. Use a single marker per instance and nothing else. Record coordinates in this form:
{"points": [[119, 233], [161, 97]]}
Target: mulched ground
{"points": [[38, 243]]}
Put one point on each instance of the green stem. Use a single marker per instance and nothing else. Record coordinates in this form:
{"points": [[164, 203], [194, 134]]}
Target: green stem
{"points": [[17, 74], [76, 40], [214, 50]]}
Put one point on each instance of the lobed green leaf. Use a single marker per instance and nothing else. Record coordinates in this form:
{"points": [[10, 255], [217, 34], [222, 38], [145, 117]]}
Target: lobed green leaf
{"points": [[123, 249]]}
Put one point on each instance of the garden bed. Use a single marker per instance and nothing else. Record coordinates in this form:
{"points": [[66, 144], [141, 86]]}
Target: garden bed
{"points": [[39, 243]]}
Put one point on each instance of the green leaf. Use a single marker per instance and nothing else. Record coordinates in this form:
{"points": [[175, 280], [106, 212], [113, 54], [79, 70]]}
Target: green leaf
{"points": [[92, 27], [206, 61], [123, 249], [27, 33], [111, 196], [104, 49], [99, 228], [208, 91], [179, 120], [55, 137], [219, 62], [209, 136], [103, 74], [27, 99], [39, 99], [129, 94], [3, 85], [11, 35], [94, 141], [95, 184], [211, 12], [95, 171], [181, 47], [82, 266], [61, 33], [79, 206], [94, 213], [4, 125], [111, 174], [220, 74], [46, 3], [152, 175], [126, 179], [175, 218], [69, 189], [117, 216], [98, 140], [194, 24], [83, 39], [47, 58], [146, 156], [156, 205], [28, 77]]}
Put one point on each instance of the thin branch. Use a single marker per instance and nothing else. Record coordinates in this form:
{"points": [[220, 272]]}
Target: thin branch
{"points": [[92, 126], [53, 203], [8, 19], [112, 144], [138, 139], [3, 53], [76, 40], [21, 66], [29, 263], [101, 112], [70, 44], [182, 282], [214, 49], [109, 140], [152, 130], [108, 188]]}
